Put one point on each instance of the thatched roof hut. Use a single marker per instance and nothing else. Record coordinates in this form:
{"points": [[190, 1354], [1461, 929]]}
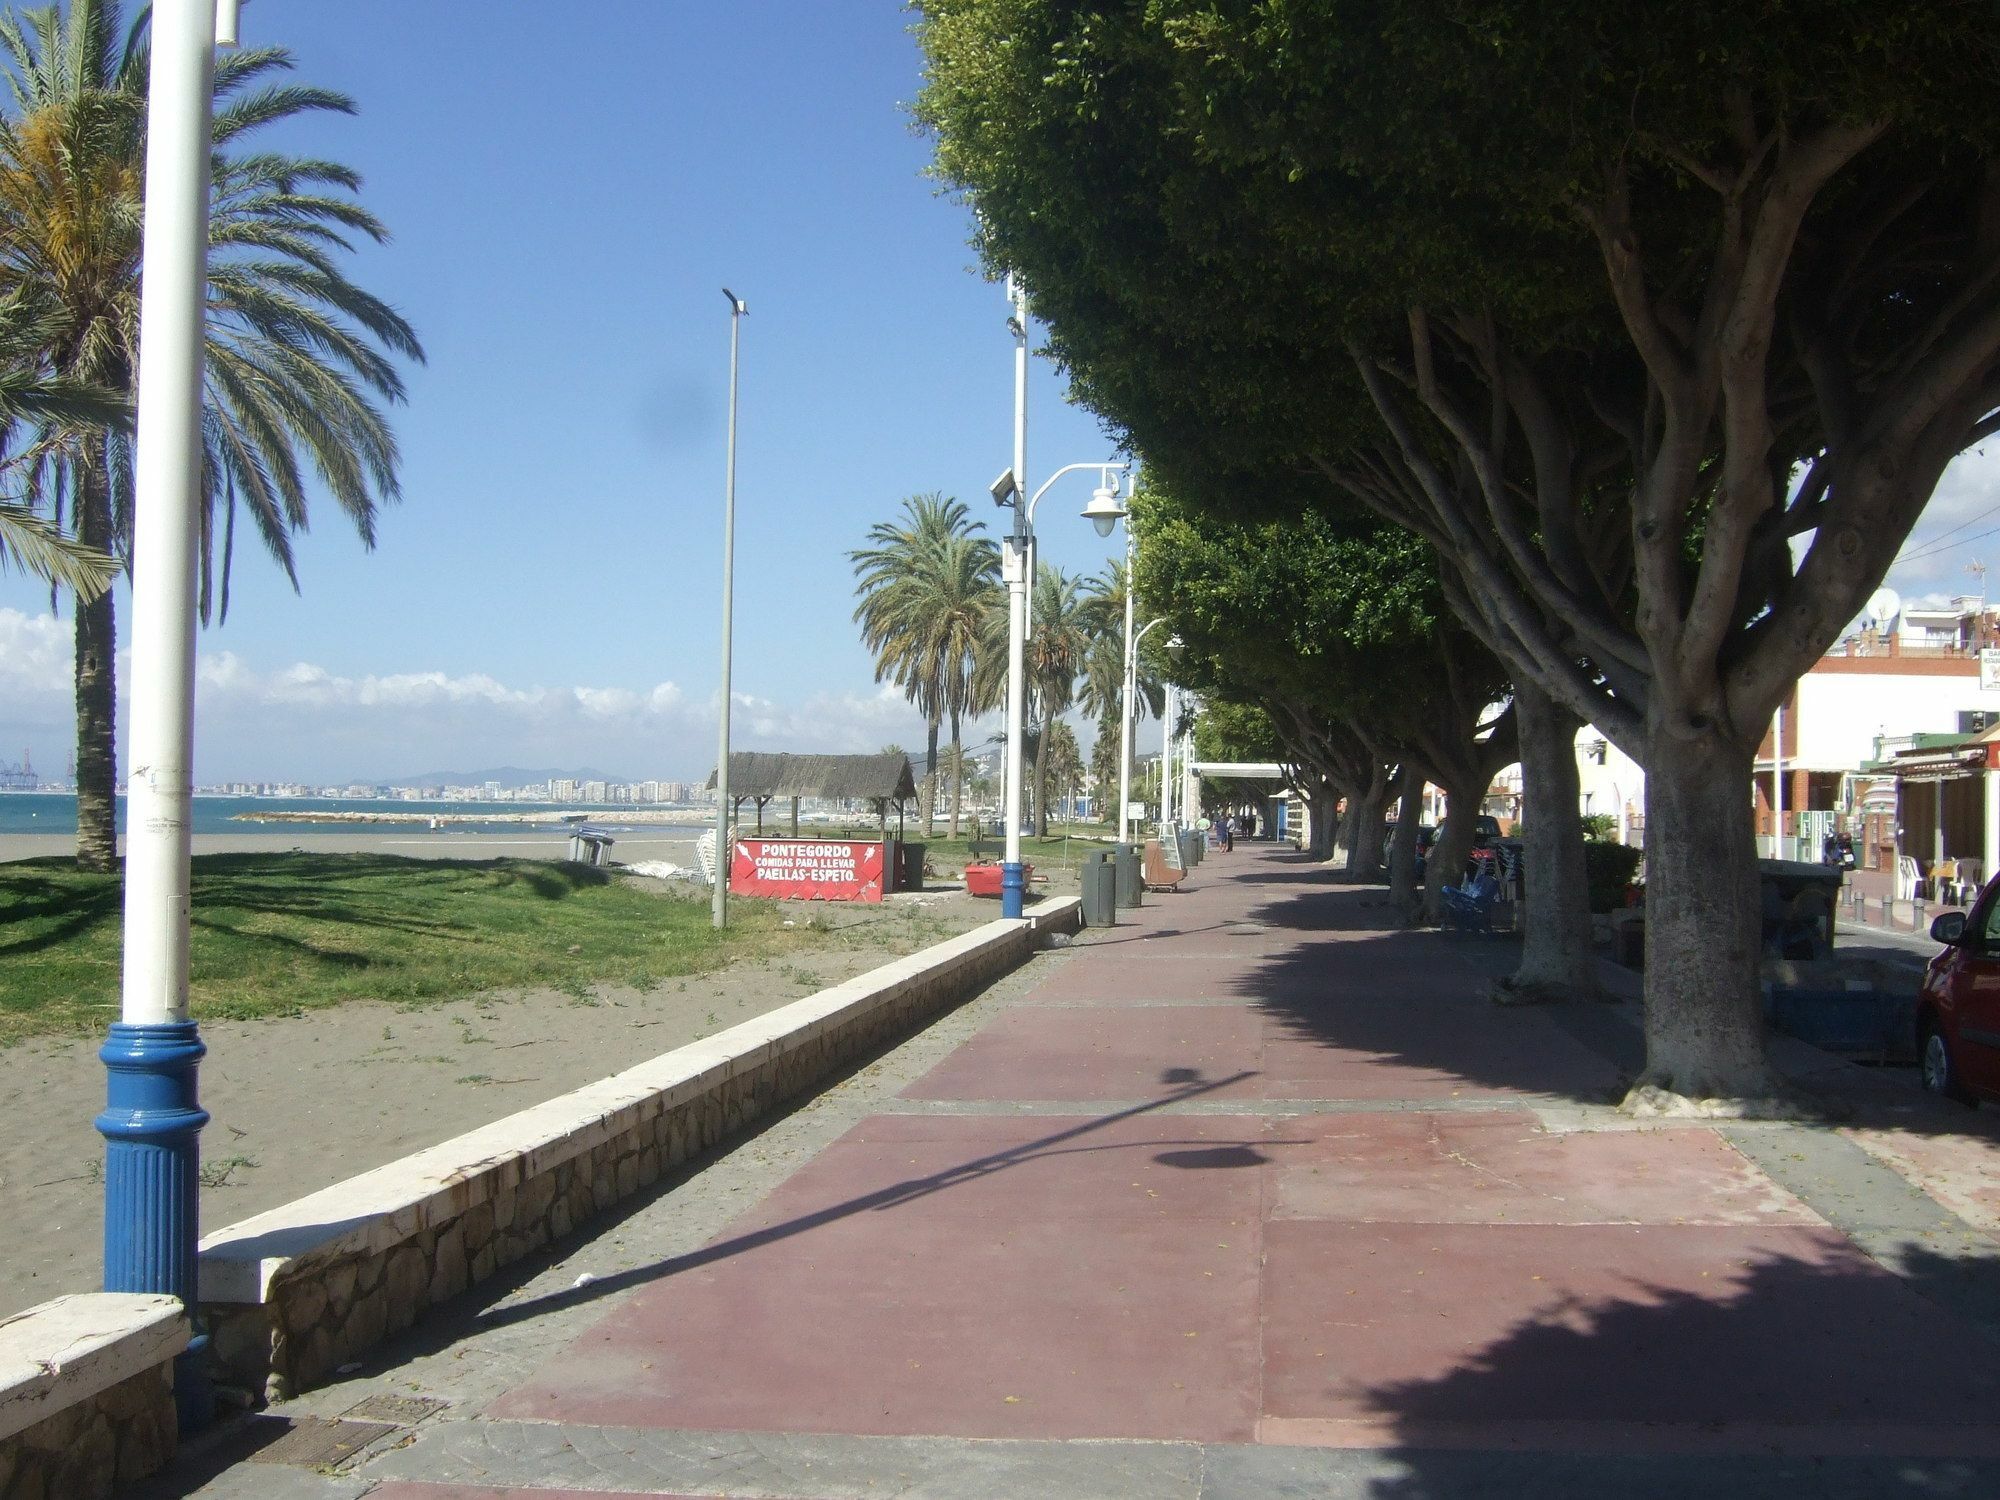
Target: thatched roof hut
{"points": [[865, 778], [880, 779]]}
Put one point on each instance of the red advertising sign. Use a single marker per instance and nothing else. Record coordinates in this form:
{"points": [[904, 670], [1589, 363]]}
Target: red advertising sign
{"points": [[807, 869]]}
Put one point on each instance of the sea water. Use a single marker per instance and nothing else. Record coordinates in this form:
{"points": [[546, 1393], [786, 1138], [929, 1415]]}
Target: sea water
{"points": [[55, 812]]}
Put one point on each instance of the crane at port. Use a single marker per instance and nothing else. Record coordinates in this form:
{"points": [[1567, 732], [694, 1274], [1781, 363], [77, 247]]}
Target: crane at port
{"points": [[19, 778]]}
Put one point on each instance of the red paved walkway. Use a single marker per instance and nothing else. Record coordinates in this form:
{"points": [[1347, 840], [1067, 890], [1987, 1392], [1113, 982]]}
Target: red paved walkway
{"points": [[1250, 1170]]}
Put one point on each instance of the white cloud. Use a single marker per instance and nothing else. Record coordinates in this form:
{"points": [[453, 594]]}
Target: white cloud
{"points": [[1961, 525], [303, 721]]}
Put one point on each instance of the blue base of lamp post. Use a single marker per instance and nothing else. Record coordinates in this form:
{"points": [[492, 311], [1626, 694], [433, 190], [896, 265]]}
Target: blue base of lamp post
{"points": [[1010, 889], [152, 1131]]}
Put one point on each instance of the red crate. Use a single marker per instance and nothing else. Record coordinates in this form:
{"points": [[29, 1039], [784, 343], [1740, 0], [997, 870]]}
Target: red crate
{"points": [[984, 880]]}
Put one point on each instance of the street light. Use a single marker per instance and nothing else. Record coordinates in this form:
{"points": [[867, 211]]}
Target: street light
{"points": [[724, 850], [1130, 694], [1017, 571], [152, 1120], [1176, 647]]}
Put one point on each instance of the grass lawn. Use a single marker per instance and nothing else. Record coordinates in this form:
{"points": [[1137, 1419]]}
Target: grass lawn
{"points": [[275, 934]]}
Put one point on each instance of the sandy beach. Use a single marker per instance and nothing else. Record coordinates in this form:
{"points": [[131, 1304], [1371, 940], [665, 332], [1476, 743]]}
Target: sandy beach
{"points": [[301, 1102]]}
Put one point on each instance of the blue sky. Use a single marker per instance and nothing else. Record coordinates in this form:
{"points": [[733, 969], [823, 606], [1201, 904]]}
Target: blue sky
{"points": [[569, 190]]}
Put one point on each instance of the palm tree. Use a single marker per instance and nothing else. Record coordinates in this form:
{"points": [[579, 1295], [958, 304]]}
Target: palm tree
{"points": [[1053, 655], [1101, 694], [1102, 691], [926, 585], [294, 351], [29, 540], [1065, 760]]}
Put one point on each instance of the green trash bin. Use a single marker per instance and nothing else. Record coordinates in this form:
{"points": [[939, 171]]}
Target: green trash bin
{"points": [[1100, 889], [910, 868], [1127, 886]]}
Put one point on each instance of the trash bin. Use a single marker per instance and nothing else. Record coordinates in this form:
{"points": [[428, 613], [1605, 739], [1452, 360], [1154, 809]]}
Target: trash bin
{"points": [[1127, 887], [910, 867], [1190, 843], [1100, 889], [589, 847], [1798, 901]]}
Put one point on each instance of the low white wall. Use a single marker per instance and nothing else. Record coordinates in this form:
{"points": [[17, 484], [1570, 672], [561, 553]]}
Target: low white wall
{"points": [[87, 1394]]}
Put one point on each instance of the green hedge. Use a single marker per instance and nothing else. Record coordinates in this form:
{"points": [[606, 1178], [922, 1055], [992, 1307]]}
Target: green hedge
{"points": [[1609, 868]]}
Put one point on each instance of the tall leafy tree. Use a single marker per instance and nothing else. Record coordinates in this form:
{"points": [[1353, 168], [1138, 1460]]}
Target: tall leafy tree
{"points": [[298, 357], [1659, 334], [926, 584]]}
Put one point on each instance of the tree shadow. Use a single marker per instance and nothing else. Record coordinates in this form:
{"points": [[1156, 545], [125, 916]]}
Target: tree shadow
{"points": [[1828, 1369]]}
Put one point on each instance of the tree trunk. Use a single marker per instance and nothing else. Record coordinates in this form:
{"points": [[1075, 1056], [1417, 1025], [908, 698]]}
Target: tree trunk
{"points": [[1453, 846], [927, 796], [957, 774], [1322, 804], [96, 690], [1557, 960], [1042, 784], [1704, 1034], [1367, 821], [1403, 848]]}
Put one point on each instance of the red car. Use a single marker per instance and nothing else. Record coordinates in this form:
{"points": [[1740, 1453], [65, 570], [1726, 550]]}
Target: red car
{"points": [[1958, 1007]]}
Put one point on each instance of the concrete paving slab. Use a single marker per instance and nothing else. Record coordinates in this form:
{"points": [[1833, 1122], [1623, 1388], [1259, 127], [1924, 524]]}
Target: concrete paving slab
{"points": [[786, 1465], [1372, 1052], [1141, 1166], [1499, 1166], [1085, 1054], [922, 1322]]}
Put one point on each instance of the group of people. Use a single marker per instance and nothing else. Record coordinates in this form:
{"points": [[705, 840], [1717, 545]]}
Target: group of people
{"points": [[1227, 825]]}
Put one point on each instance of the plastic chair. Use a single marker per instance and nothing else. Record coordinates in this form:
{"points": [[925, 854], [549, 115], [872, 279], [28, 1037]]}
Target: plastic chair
{"points": [[1469, 907]]}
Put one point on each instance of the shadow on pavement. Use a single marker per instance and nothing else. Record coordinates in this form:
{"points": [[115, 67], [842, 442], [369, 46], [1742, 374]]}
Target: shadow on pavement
{"points": [[481, 1312], [1760, 1376]]}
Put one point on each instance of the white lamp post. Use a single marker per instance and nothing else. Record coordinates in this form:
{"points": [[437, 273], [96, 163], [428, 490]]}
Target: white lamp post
{"points": [[1017, 572], [152, 1121], [724, 847]]}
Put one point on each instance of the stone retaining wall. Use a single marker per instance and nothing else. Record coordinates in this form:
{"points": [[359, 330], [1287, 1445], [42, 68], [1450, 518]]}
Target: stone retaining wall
{"points": [[87, 1394], [292, 1294]]}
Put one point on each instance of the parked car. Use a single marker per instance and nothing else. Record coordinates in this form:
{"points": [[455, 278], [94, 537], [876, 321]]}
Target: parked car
{"points": [[1426, 836], [1958, 1005]]}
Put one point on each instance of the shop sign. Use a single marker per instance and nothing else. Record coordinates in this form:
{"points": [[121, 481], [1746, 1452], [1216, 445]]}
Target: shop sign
{"points": [[808, 869]]}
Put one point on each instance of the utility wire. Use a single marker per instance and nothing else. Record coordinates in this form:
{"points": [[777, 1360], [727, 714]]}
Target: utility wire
{"points": [[1929, 543], [1964, 541]]}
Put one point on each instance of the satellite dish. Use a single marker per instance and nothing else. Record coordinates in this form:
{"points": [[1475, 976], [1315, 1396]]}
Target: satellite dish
{"points": [[1883, 606]]}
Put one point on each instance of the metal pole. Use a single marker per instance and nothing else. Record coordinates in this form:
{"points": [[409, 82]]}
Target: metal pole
{"points": [[1778, 783], [724, 850], [152, 1121], [1167, 760], [1125, 696], [1019, 559]]}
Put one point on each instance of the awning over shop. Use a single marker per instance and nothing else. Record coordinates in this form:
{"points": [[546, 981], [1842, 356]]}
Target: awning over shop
{"points": [[1939, 765]]}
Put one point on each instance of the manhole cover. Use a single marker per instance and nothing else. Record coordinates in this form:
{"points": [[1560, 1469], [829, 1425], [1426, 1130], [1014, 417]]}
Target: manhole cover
{"points": [[404, 1411], [315, 1442]]}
